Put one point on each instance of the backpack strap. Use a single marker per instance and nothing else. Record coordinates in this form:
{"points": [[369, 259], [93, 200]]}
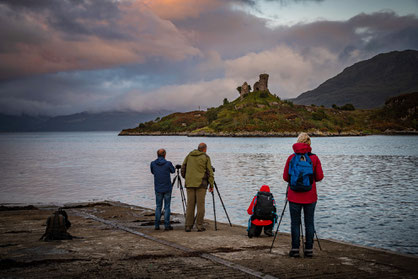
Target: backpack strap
{"points": [[307, 158]]}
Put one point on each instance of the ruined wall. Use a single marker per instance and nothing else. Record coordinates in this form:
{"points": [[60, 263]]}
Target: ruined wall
{"points": [[262, 84], [245, 89]]}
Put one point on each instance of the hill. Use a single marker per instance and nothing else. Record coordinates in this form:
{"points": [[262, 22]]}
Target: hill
{"points": [[103, 121], [369, 83], [260, 113]]}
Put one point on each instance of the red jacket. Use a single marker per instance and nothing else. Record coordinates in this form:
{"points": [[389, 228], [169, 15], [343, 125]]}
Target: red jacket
{"points": [[250, 209], [310, 196]]}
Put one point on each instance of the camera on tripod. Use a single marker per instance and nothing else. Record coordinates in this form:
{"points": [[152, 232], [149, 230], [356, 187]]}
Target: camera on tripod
{"points": [[178, 166]]}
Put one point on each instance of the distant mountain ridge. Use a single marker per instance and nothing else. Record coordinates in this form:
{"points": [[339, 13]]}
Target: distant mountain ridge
{"points": [[84, 121], [369, 83]]}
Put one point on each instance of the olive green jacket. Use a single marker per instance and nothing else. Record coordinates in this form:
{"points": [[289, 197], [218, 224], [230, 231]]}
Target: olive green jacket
{"points": [[197, 170]]}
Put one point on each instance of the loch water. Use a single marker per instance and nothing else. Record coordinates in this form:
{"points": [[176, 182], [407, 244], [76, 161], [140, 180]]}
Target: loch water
{"points": [[369, 195]]}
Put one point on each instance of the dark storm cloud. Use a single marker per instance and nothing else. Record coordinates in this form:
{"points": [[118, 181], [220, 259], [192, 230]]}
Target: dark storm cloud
{"points": [[50, 36]]}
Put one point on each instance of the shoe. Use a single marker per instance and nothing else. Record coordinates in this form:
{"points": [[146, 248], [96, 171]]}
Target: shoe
{"points": [[157, 228], [188, 229], [169, 228], [308, 253], [201, 230], [294, 253], [268, 233]]}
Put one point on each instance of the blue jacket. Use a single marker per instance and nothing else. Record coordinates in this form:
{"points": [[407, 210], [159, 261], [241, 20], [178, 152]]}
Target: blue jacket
{"points": [[161, 169]]}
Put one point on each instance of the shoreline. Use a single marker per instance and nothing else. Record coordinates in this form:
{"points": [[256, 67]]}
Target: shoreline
{"points": [[271, 134]]}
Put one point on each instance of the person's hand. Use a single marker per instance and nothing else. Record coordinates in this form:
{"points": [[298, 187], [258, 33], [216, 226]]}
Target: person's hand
{"points": [[211, 189]]}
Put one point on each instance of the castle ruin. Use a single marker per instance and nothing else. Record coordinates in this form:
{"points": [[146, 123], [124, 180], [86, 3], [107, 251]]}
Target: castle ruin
{"points": [[260, 85]]}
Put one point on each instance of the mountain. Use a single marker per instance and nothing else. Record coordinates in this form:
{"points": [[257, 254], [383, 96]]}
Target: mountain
{"points": [[103, 121], [259, 113], [369, 83]]}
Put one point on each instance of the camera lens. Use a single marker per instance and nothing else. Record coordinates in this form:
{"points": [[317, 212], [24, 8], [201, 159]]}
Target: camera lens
{"points": [[178, 166]]}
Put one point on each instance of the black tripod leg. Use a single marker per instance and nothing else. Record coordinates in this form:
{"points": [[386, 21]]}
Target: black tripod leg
{"points": [[214, 210], [179, 185], [317, 239], [277, 230], [220, 198]]}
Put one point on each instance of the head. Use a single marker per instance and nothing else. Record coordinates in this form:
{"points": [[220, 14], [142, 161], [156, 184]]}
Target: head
{"points": [[304, 138], [161, 153], [202, 147], [265, 188]]}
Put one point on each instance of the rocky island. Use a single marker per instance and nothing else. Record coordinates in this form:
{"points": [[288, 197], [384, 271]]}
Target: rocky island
{"points": [[258, 112]]}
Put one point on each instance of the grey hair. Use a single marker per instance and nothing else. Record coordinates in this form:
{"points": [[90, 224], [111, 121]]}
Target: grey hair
{"points": [[202, 146]]}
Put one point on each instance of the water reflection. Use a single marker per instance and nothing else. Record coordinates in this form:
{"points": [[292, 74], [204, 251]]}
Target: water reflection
{"points": [[368, 195]]}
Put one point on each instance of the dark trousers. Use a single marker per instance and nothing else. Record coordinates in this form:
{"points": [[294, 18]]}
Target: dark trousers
{"points": [[256, 230], [159, 198], [295, 217]]}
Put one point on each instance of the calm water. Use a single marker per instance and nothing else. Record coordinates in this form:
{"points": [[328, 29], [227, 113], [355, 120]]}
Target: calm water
{"points": [[368, 196]]}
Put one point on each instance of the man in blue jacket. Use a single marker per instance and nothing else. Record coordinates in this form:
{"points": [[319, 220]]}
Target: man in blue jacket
{"points": [[161, 169]]}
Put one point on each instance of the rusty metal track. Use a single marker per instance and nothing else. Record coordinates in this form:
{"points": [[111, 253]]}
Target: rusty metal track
{"points": [[176, 246]]}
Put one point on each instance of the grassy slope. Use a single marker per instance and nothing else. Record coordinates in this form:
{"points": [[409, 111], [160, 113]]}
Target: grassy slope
{"points": [[264, 112]]}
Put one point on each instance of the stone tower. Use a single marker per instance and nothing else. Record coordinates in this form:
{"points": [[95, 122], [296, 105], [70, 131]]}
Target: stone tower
{"points": [[262, 84], [245, 89]]}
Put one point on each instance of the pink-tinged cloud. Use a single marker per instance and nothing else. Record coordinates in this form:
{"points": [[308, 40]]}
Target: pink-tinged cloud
{"points": [[188, 96], [182, 9], [133, 36], [291, 71]]}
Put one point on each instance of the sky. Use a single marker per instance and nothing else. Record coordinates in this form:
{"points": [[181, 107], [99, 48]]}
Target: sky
{"points": [[59, 57]]}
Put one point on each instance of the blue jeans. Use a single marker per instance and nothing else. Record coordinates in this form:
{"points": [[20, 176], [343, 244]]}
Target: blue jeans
{"points": [[308, 214], [159, 197]]}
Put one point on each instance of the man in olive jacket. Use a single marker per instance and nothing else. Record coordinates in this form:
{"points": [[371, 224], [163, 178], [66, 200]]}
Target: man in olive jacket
{"points": [[198, 172]]}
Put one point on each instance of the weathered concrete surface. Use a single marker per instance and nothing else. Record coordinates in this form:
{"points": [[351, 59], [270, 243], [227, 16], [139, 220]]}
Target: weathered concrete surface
{"points": [[107, 252]]}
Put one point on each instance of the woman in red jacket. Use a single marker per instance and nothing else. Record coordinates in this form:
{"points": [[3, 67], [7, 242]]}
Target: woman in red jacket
{"points": [[306, 200]]}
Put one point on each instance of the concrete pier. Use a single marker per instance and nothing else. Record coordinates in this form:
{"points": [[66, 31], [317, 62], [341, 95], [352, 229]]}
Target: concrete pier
{"points": [[119, 241]]}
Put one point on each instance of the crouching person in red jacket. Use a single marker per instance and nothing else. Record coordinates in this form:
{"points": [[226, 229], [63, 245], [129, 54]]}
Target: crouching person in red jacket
{"points": [[263, 213], [300, 198]]}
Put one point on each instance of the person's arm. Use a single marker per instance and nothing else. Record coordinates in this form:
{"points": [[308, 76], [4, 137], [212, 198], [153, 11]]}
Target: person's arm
{"points": [[152, 170], [184, 167], [286, 170], [172, 169], [251, 207], [211, 178], [319, 174]]}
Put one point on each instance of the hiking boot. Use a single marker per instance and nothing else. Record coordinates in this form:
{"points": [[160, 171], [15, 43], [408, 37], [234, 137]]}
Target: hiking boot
{"points": [[188, 229], [157, 228], [294, 253], [169, 228], [201, 230], [308, 253], [268, 233]]}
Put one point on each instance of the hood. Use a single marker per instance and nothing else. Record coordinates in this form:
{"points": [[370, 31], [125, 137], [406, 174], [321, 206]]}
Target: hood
{"points": [[196, 153], [160, 161], [301, 148], [265, 188]]}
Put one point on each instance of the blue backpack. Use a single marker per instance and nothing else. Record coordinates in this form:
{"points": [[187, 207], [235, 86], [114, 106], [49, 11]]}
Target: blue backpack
{"points": [[301, 173]]}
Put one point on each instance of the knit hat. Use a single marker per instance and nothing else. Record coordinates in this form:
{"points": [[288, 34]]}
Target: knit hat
{"points": [[304, 138]]}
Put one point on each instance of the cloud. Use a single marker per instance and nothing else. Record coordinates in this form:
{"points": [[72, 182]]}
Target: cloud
{"points": [[90, 35], [181, 9], [290, 72], [183, 97], [81, 55]]}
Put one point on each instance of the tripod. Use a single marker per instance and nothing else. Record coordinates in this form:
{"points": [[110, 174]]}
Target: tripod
{"points": [[220, 198], [301, 230], [180, 186]]}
